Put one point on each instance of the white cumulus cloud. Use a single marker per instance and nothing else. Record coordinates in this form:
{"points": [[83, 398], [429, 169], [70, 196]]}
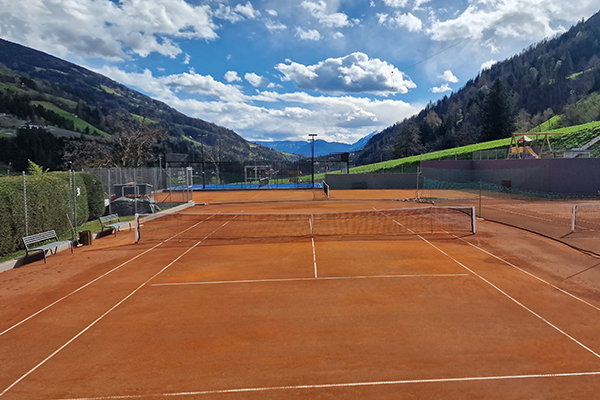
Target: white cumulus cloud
{"points": [[237, 13], [355, 73], [232, 76], [441, 89], [343, 117], [330, 20], [449, 77], [105, 29], [526, 20], [408, 21], [396, 3], [257, 80]]}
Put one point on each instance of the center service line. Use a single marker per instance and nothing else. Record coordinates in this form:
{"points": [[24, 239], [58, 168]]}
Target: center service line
{"points": [[314, 256]]}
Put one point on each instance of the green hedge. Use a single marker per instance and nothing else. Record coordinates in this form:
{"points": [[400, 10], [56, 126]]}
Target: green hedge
{"points": [[95, 195], [49, 206]]}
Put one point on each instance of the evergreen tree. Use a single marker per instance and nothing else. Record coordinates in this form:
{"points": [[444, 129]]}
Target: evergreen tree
{"points": [[498, 114]]}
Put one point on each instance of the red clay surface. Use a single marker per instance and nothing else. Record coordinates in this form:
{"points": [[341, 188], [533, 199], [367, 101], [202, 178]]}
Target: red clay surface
{"points": [[502, 314]]}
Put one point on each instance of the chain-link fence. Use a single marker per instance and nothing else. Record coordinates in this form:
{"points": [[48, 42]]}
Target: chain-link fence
{"points": [[139, 188], [259, 174]]}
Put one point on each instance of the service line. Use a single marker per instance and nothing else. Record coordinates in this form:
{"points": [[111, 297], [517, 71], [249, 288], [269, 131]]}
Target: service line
{"points": [[329, 278]]}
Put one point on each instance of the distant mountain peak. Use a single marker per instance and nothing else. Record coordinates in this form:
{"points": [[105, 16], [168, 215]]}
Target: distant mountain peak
{"points": [[322, 147]]}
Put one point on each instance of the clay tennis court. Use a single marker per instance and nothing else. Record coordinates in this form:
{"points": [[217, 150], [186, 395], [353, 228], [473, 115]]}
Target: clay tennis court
{"points": [[218, 304]]}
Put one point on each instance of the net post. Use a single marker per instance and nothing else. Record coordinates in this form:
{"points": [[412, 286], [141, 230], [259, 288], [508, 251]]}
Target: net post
{"points": [[573, 218], [137, 228], [312, 224], [473, 221]]}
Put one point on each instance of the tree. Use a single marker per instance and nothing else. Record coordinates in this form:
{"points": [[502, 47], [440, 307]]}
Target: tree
{"points": [[133, 141], [408, 142], [523, 121], [498, 115]]}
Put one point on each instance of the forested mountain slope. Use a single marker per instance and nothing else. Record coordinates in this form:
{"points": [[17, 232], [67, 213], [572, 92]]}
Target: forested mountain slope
{"points": [[514, 95], [46, 90]]}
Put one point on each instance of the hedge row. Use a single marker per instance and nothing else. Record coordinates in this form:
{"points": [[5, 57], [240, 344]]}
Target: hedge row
{"points": [[49, 198]]}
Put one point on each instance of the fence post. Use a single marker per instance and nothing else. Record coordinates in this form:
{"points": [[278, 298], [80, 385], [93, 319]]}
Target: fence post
{"points": [[25, 204], [108, 192]]}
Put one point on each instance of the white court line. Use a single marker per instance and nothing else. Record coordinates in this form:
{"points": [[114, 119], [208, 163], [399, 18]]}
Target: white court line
{"points": [[532, 216], [96, 279], [106, 313], [331, 278], [340, 385], [513, 299], [314, 256], [530, 274], [506, 294]]}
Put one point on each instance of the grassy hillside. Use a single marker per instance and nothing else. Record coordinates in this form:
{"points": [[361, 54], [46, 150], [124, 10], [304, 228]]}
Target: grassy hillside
{"points": [[573, 137], [80, 124]]}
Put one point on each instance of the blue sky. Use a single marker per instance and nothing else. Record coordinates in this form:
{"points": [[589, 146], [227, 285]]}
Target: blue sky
{"points": [[275, 70]]}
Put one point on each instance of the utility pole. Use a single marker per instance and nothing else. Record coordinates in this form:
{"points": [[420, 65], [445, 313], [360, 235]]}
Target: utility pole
{"points": [[312, 149]]}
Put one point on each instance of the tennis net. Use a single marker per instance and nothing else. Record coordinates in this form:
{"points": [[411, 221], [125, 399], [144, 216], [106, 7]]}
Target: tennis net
{"points": [[585, 217], [405, 221]]}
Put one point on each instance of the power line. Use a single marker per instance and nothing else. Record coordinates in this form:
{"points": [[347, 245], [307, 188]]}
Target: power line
{"points": [[472, 37]]}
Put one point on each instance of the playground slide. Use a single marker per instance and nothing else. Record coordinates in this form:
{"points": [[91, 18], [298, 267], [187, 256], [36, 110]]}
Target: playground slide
{"points": [[530, 153], [524, 152]]}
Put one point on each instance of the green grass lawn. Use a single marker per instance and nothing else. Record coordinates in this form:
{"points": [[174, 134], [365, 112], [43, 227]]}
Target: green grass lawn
{"points": [[144, 119], [12, 88], [110, 91], [80, 124]]}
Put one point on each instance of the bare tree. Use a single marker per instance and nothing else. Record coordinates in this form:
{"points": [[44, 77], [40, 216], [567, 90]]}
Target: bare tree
{"points": [[130, 146], [133, 139]]}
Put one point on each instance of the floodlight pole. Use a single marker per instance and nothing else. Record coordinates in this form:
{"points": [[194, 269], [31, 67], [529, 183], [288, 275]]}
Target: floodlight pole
{"points": [[312, 150], [202, 150]]}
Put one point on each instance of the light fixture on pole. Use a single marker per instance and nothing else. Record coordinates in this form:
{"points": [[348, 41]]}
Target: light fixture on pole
{"points": [[312, 150]]}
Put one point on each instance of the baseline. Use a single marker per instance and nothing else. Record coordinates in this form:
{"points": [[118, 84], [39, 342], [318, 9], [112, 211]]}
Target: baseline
{"points": [[343, 385]]}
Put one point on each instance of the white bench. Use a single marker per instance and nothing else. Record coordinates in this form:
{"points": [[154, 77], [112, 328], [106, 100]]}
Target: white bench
{"points": [[50, 240], [106, 223]]}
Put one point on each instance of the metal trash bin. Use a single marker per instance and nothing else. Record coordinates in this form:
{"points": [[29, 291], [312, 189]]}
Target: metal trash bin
{"points": [[86, 238]]}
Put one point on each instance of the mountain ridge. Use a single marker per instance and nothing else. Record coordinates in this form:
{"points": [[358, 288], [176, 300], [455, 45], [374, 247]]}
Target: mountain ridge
{"points": [[322, 147], [28, 75]]}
